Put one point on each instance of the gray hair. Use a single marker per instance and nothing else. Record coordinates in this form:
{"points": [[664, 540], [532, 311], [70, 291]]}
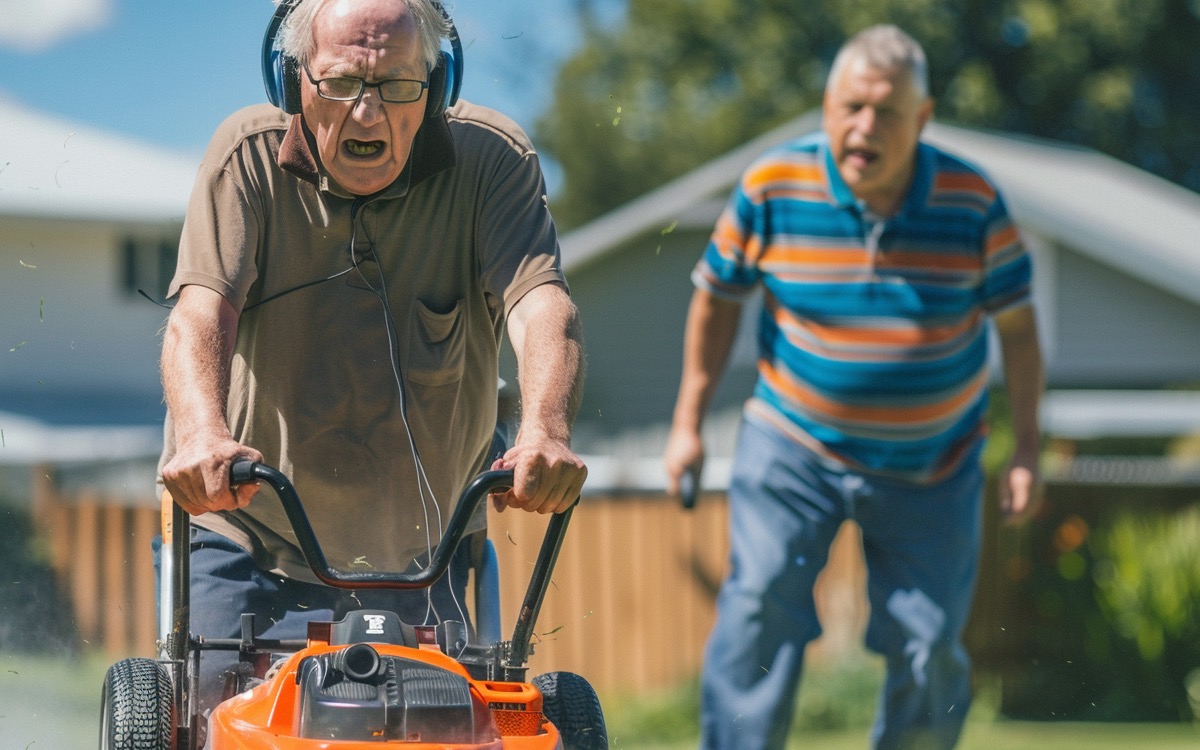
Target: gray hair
{"points": [[884, 47], [296, 33]]}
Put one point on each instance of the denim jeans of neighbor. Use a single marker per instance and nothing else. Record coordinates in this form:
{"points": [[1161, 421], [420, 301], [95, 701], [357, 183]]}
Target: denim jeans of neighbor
{"points": [[226, 582], [921, 544]]}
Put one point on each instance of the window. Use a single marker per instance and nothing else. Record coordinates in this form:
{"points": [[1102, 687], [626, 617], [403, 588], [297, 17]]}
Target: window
{"points": [[147, 266]]}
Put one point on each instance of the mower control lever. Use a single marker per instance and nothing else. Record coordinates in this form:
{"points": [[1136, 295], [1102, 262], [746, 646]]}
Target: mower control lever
{"points": [[244, 471]]}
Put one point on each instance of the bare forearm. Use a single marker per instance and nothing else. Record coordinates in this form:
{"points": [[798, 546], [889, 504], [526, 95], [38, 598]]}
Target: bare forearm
{"points": [[1023, 372], [548, 340], [1021, 493], [195, 366], [547, 337], [708, 337], [197, 348], [709, 334]]}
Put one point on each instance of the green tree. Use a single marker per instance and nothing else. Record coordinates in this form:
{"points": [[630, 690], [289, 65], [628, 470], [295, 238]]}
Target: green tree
{"points": [[678, 82]]}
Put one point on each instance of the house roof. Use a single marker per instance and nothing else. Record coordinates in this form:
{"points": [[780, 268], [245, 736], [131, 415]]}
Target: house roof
{"points": [[51, 168], [1101, 207], [1086, 415], [25, 441]]}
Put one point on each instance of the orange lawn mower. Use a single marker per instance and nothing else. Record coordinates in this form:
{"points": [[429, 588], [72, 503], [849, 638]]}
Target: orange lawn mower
{"points": [[365, 681]]}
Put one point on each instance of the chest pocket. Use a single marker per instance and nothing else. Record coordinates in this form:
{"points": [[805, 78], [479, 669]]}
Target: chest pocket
{"points": [[437, 350]]}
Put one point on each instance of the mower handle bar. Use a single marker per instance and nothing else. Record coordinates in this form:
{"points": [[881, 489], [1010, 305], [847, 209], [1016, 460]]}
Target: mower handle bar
{"points": [[244, 471]]}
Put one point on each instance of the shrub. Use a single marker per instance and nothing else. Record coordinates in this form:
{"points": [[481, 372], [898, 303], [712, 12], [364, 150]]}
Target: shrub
{"points": [[34, 616], [1115, 611], [1146, 572]]}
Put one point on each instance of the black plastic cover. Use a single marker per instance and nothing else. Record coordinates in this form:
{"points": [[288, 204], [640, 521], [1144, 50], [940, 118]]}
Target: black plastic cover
{"points": [[407, 700], [373, 626]]}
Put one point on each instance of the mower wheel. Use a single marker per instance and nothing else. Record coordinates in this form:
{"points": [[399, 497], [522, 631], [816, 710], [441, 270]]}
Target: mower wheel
{"points": [[571, 705], [136, 707]]}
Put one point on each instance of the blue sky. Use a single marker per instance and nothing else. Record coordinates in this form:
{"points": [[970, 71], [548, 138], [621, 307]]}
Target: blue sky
{"points": [[168, 71]]}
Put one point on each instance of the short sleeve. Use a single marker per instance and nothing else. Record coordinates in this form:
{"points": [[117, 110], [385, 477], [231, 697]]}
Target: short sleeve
{"points": [[518, 240], [1008, 269], [218, 246], [727, 268]]}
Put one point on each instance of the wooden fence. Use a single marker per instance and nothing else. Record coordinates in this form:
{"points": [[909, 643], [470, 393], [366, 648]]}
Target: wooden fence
{"points": [[630, 606], [100, 550], [635, 586]]}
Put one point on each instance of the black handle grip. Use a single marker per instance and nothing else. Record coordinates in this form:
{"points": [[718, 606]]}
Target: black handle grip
{"points": [[242, 471], [689, 487]]}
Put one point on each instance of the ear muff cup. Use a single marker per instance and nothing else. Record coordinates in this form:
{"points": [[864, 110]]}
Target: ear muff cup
{"points": [[291, 84], [439, 91], [281, 76]]}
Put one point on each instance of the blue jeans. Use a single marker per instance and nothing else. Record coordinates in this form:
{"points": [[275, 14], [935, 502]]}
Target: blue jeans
{"points": [[921, 544], [226, 582]]}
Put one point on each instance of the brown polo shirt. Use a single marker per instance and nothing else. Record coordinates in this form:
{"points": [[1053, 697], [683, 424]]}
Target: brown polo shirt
{"points": [[369, 330]]}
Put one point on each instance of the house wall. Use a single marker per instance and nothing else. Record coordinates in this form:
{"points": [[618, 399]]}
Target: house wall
{"points": [[1114, 331], [72, 341], [633, 306]]}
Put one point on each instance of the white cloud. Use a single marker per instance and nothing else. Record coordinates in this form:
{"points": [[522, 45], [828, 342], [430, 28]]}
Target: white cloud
{"points": [[35, 25]]}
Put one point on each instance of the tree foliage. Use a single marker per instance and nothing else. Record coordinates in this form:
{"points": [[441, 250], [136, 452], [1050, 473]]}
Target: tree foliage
{"points": [[677, 82]]}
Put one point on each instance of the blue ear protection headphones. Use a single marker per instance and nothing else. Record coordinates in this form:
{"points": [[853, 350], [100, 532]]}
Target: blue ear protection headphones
{"points": [[281, 74]]}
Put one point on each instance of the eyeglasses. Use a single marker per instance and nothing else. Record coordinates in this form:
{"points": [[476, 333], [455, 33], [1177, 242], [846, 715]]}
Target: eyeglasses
{"points": [[346, 89]]}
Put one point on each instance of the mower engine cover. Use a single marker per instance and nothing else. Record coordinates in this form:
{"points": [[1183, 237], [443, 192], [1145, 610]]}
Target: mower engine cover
{"points": [[356, 694]]}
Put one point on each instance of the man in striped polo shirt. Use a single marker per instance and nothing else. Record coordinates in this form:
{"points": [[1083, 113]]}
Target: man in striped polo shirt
{"points": [[881, 261]]}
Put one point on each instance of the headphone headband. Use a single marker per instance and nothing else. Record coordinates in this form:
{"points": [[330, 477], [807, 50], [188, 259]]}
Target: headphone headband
{"points": [[281, 73]]}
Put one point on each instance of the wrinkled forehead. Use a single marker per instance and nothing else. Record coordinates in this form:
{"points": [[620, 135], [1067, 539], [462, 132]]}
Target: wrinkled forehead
{"points": [[861, 78], [350, 38]]}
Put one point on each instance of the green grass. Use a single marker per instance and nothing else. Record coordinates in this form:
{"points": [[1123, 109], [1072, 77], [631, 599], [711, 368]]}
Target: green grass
{"points": [[50, 704], [838, 717], [999, 735]]}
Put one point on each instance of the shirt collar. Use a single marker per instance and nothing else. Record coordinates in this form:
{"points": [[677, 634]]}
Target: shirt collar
{"points": [[838, 189], [918, 191], [433, 152]]}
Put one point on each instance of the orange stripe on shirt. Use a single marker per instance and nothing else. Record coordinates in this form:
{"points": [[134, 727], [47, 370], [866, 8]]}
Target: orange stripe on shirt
{"points": [[786, 172], [1002, 239], [897, 415], [727, 239], [850, 254], [933, 261], [894, 337], [968, 183], [815, 256]]}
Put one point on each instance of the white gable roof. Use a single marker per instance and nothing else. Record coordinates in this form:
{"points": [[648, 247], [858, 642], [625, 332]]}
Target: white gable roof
{"points": [[50, 168], [1099, 206], [1111, 211], [29, 441]]}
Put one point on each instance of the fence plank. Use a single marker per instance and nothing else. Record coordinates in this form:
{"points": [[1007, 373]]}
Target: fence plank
{"points": [[145, 593], [616, 594], [85, 567], [115, 589]]}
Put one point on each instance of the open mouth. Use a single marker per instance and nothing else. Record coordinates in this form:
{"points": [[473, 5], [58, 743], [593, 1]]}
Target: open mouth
{"points": [[362, 149], [861, 157]]}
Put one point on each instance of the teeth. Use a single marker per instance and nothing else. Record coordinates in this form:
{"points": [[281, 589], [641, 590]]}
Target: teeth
{"points": [[358, 148]]}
